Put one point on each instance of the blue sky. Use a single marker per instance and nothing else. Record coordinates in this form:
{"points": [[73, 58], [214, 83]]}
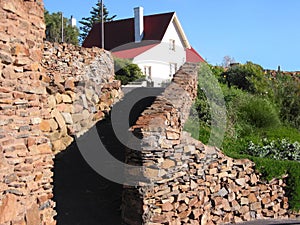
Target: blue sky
{"points": [[266, 32]]}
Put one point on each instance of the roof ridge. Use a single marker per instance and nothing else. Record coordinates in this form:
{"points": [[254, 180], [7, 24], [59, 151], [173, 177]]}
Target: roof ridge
{"points": [[158, 14]]}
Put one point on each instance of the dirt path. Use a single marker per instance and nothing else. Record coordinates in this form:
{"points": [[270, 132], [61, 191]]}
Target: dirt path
{"points": [[82, 196]]}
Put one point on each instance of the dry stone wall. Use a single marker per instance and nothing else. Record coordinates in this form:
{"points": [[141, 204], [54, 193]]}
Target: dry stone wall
{"points": [[25, 155], [193, 183], [48, 94], [81, 89]]}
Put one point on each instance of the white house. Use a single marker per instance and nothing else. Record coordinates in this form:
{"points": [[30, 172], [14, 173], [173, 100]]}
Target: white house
{"points": [[156, 43]]}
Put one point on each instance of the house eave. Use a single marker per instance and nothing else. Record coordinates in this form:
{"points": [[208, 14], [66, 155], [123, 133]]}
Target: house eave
{"points": [[181, 31]]}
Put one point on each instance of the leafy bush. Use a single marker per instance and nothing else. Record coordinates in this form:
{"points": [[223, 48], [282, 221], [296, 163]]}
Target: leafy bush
{"points": [[126, 71], [258, 112], [218, 72], [276, 149], [287, 96], [249, 77]]}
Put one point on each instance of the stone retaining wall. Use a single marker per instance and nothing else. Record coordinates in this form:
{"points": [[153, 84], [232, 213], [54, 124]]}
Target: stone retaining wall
{"points": [[48, 93], [81, 88], [25, 155], [192, 183]]}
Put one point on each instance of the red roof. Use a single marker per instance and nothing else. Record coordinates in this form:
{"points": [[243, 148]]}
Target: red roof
{"points": [[119, 37], [120, 32], [193, 56], [133, 52]]}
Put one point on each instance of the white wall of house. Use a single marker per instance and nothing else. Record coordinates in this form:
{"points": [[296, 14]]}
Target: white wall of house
{"points": [[159, 71], [162, 55]]}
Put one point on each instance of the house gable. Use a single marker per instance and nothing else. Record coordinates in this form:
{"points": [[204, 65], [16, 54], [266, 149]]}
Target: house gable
{"points": [[120, 32], [154, 54], [175, 31]]}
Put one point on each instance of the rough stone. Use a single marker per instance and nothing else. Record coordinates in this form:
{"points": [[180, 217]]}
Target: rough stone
{"points": [[241, 181], [68, 118], [45, 126], [8, 208], [167, 206], [223, 192], [32, 215], [166, 164]]}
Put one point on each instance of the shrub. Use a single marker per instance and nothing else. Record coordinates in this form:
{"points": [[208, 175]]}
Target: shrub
{"points": [[126, 71], [258, 113], [249, 77], [287, 96], [276, 149], [218, 72]]}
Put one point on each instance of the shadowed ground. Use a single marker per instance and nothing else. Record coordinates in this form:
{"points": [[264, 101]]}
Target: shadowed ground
{"points": [[82, 196]]}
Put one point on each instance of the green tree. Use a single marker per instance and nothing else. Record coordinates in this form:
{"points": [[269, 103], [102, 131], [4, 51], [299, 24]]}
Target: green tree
{"points": [[95, 17], [126, 71], [287, 97], [249, 77], [53, 29]]}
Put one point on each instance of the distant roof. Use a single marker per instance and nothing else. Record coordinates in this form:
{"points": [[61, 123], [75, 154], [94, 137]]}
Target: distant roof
{"points": [[122, 31], [193, 56]]}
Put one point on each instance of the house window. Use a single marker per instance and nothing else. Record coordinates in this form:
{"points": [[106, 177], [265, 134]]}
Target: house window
{"points": [[173, 69], [172, 45], [147, 71]]}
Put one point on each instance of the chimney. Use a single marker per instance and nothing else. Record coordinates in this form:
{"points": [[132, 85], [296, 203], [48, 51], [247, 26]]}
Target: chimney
{"points": [[138, 24], [72, 21]]}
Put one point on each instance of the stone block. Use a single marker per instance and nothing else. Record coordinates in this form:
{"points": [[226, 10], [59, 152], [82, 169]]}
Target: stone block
{"points": [[6, 59], [241, 182], [172, 135], [44, 148], [19, 50], [9, 208], [204, 218], [60, 120], [69, 84], [68, 118], [167, 206], [184, 214], [182, 207], [33, 215], [166, 164], [158, 218], [255, 206], [223, 192], [45, 126], [252, 198], [66, 98], [58, 146]]}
